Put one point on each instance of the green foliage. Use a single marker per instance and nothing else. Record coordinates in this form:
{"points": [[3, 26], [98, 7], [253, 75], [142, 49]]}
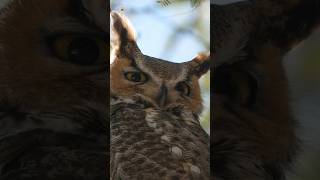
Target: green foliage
{"points": [[194, 3], [164, 2]]}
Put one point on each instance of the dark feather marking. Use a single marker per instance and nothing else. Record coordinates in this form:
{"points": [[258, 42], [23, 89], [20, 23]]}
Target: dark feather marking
{"points": [[77, 10]]}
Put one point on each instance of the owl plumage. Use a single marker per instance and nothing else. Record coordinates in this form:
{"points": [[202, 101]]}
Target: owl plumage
{"points": [[155, 131], [53, 107]]}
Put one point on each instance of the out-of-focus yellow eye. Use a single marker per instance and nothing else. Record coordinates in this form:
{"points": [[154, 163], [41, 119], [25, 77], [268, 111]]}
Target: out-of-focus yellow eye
{"points": [[183, 88], [137, 77], [79, 49]]}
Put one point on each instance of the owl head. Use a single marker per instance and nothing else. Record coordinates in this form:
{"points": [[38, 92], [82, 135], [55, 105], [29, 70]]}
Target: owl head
{"points": [[53, 53], [165, 84]]}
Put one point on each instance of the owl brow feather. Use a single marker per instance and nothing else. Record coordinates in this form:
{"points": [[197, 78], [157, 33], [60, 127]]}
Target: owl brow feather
{"points": [[79, 11]]}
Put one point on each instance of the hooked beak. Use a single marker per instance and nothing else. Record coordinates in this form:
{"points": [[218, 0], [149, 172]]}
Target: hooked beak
{"points": [[162, 96]]}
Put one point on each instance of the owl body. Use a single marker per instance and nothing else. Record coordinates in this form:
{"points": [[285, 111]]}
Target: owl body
{"points": [[52, 89], [148, 143], [155, 131]]}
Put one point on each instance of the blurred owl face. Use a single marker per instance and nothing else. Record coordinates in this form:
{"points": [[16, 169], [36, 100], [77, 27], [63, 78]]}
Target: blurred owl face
{"points": [[53, 51], [164, 83]]}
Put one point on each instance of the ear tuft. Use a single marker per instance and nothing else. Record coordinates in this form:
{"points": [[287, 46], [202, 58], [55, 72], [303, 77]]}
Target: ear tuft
{"points": [[122, 32], [200, 64]]}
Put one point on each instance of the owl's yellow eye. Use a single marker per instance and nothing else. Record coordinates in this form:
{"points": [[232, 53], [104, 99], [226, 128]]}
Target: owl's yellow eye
{"points": [[183, 88], [79, 49], [137, 77]]}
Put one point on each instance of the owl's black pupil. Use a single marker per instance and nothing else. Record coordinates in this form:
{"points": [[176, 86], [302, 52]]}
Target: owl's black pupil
{"points": [[136, 77], [83, 51]]}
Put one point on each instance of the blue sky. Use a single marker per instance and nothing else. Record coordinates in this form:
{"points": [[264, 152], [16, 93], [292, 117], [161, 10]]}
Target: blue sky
{"points": [[155, 24]]}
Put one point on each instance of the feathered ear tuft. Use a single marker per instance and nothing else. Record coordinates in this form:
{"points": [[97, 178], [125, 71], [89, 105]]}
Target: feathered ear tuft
{"points": [[200, 64], [122, 32]]}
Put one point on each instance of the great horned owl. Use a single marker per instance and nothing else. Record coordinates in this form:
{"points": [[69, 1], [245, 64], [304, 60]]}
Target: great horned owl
{"points": [[53, 99], [155, 132], [253, 127]]}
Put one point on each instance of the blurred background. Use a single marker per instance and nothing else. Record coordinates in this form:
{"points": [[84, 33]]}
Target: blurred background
{"points": [[174, 30], [303, 70]]}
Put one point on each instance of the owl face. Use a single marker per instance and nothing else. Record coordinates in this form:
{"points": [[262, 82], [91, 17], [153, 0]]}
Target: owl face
{"points": [[161, 82], [53, 51]]}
